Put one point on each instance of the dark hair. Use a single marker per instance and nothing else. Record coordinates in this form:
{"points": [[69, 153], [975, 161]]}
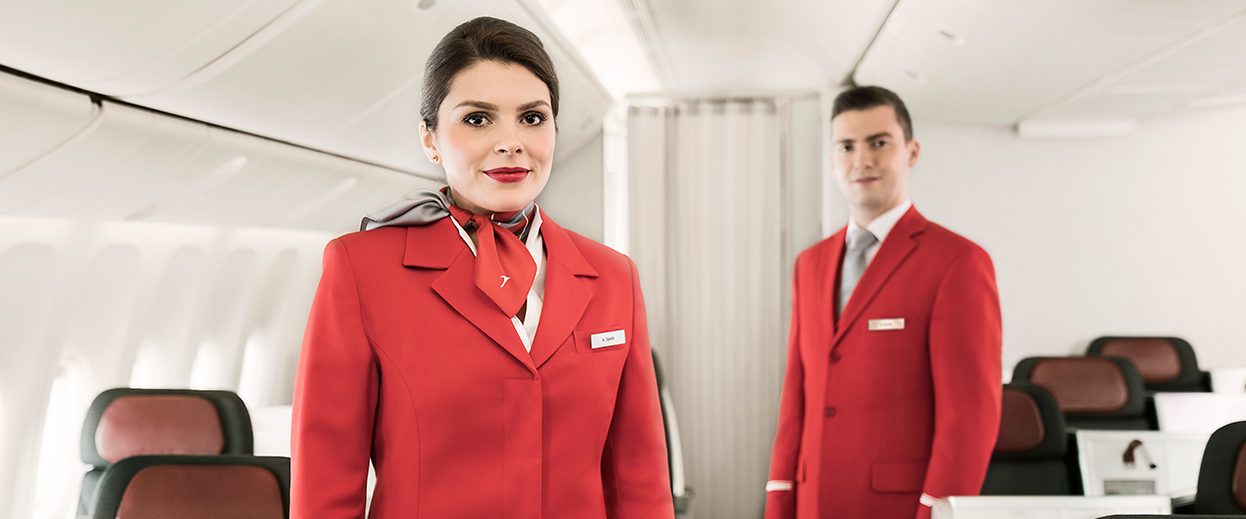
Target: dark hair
{"points": [[480, 39], [866, 97]]}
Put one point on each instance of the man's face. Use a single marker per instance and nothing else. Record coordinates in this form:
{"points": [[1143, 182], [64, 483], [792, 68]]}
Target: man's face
{"points": [[871, 159]]}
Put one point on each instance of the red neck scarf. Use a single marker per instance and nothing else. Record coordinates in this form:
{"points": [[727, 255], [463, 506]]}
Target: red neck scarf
{"points": [[504, 267]]}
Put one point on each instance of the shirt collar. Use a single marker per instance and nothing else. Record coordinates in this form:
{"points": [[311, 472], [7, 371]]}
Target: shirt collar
{"points": [[534, 242], [882, 225]]}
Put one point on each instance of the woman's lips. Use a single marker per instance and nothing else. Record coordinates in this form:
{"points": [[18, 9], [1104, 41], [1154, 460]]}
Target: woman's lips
{"points": [[507, 175]]}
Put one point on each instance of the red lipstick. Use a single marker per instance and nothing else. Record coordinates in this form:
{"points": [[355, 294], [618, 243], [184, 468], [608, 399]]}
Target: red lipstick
{"points": [[507, 175]]}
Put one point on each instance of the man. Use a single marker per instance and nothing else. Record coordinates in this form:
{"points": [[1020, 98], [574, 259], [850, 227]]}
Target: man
{"points": [[892, 394]]}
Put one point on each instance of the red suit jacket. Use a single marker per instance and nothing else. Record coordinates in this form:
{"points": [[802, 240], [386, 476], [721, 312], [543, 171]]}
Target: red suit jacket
{"points": [[870, 420], [405, 362]]}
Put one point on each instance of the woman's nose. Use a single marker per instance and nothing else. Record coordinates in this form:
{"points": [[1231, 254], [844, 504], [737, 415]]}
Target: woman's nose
{"points": [[508, 147]]}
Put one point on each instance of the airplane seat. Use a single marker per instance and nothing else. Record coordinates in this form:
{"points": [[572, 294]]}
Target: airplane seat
{"points": [[681, 494], [195, 487], [1093, 392], [1029, 456], [1165, 363], [1222, 476], [125, 422]]}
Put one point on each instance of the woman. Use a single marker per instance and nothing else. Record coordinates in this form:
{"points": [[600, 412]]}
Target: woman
{"points": [[488, 362]]}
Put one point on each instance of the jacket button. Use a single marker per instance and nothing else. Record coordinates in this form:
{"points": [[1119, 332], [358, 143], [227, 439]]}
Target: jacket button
{"points": [[829, 411], [835, 356]]}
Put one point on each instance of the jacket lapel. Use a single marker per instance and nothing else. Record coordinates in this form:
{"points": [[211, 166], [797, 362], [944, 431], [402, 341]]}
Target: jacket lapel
{"points": [[830, 291], [898, 246], [439, 246], [566, 297]]}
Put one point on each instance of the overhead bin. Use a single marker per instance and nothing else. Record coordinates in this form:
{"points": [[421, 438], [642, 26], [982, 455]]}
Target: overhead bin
{"points": [[37, 119], [125, 157], [119, 163], [346, 77]]}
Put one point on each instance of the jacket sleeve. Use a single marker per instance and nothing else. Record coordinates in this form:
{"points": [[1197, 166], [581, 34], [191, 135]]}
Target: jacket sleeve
{"points": [[634, 471], [781, 488], [335, 396], [965, 362]]}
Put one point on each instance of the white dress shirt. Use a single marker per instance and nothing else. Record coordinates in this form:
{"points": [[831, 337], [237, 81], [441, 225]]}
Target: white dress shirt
{"points": [[526, 328], [880, 227]]}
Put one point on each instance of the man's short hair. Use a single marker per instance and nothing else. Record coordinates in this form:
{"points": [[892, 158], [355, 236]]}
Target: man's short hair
{"points": [[866, 97]]}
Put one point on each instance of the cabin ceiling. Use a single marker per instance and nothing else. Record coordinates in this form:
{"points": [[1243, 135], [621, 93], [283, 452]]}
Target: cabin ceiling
{"points": [[341, 76], [969, 61]]}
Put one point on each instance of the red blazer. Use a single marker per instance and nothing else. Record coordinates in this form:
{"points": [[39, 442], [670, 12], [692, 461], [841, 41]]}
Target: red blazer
{"points": [[869, 420], [405, 362]]}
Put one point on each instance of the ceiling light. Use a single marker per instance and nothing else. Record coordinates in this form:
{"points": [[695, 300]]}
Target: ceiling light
{"points": [[1075, 128], [1174, 88], [1224, 100], [952, 38]]}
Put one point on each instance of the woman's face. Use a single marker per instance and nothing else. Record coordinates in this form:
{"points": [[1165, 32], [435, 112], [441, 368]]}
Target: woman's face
{"points": [[494, 137]]}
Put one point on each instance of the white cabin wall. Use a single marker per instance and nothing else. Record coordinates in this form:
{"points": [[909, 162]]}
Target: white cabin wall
{"points": [[575, 196], [1138, 234], [89, 306]]}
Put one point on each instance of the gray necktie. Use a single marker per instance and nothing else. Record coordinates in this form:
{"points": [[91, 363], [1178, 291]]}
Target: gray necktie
{"points": [[854, 264]]}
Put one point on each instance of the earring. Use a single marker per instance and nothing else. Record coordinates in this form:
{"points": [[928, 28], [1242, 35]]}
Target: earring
{"points": [[436, 159]]}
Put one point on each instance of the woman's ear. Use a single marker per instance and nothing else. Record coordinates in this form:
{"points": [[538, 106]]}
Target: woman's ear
{"points": [[429, 141]]}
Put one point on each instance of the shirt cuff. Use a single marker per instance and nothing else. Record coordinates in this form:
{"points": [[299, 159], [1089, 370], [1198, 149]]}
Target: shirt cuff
{"points": [[778, 486], [927, 499]]}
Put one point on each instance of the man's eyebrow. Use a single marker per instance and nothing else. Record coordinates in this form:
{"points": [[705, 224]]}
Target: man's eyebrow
{"points": [[879, 135], [479, 104]]}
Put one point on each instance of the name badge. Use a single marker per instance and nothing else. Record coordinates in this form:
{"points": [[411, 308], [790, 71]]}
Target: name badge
{"points": [[601, 340], [887, 324]]}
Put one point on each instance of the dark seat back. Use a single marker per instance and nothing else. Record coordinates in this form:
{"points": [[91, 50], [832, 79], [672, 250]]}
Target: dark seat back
{"points": [[1029, 457], [1092, 392], [1164, 363], [1222, 477], [681, 494], [125, 422], [195, 487]]}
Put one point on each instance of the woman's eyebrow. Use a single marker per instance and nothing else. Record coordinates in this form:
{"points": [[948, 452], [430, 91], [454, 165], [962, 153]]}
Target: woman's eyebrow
{"points": [[479, 104], [533, 104]]}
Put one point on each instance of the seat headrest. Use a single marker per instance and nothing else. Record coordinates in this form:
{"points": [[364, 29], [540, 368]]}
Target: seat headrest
{"points": [[1031, 425], [128, 422], [1098, 386], [1222, 476], [1239, 477], [1163, 362], [195, 487]]}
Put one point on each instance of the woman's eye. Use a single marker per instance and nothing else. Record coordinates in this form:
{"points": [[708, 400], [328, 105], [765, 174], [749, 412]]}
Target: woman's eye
{"points": [[476, 119], [533, 118]]}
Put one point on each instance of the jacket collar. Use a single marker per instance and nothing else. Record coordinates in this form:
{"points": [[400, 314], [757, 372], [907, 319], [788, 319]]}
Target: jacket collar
{"points": [[897, 248]]}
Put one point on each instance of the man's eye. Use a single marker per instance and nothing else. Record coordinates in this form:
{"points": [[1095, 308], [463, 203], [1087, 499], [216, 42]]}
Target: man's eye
{"points": [[880, 143], [476, 119], [844, 148]]}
